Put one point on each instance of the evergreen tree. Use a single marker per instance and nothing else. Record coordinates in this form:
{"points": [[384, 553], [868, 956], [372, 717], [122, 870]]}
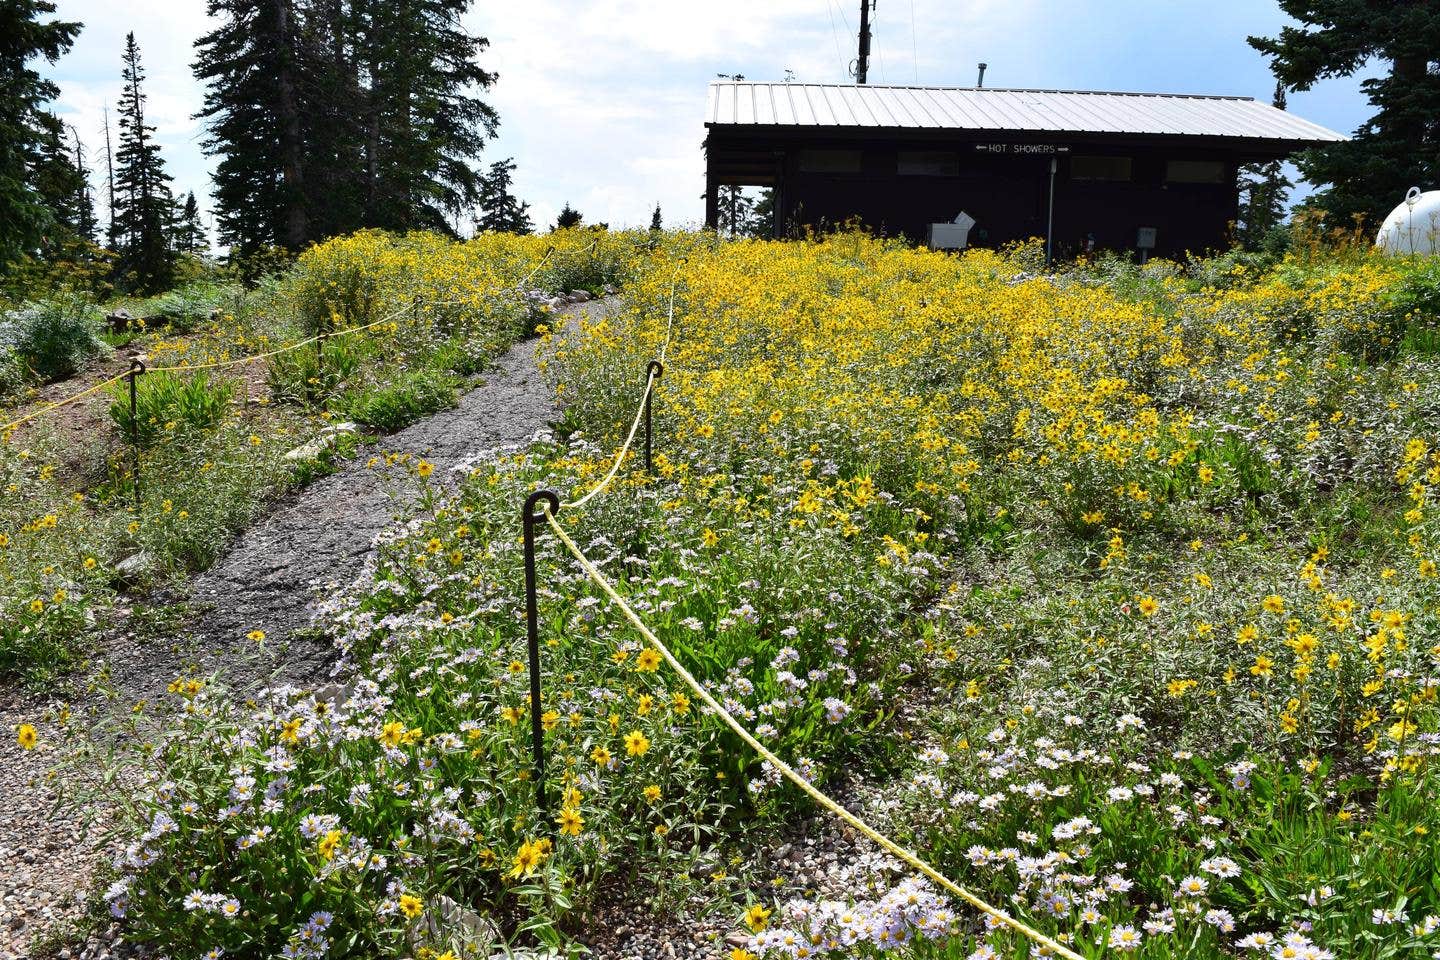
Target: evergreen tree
{"points": [[189, 228], [332, 115], [87, 225], [499, 209], [332, 109], [1264, 192], [1400, 145], [27, 132], [761, 221], [59, 179], [735, 211], [655, 222], [568, 218], [252, 66], [110, 232], [422, 122], [144, 208]]}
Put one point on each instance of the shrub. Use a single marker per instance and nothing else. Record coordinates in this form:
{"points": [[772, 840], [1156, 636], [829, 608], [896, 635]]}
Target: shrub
{"points": [[167, 403], [412, 396], [186, 308], [311, 375], [12, 372], [53, 338]]}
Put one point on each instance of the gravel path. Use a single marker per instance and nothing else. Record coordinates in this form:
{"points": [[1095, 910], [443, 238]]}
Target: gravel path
{"points": [[316, 536]]}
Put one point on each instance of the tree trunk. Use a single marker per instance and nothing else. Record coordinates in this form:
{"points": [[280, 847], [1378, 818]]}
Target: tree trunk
{"points": [[297, 222]]}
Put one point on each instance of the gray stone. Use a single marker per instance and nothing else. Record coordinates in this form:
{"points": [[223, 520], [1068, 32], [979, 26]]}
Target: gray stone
{"points": [[312, 450], [447, 925], [135, 568]]}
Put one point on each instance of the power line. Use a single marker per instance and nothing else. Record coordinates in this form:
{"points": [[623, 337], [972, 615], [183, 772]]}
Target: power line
{"points": [[914, 46], [835, 35]]}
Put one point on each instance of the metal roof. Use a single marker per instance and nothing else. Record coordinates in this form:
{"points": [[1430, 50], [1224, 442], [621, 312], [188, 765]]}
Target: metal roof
{"points": [[998, 109]]}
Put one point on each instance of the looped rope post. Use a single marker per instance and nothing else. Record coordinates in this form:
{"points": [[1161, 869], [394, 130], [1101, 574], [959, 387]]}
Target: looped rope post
{"points": [[654, 370], [530, 515], [137, 370]]}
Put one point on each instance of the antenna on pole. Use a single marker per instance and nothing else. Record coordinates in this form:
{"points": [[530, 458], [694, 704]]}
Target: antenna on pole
{"points": [[862, 62], [980, 80]]}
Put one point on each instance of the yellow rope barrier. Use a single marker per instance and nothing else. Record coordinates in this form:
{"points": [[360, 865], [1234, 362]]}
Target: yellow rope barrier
{"points": [[241, 361], [251, 358], [60, 403], [640, 410], [624, 449], [810, 790]]}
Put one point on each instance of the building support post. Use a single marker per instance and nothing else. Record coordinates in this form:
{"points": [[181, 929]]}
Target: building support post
{"points": [[712, 198], [1050, 216], [777, 199]]}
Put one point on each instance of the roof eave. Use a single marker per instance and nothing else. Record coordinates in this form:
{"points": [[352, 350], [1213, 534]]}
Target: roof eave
{"points": [[1289, 144]]}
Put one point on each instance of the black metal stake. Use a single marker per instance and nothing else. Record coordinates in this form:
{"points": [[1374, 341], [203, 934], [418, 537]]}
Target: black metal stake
{"points": [[654, 369], [532, 635], [137, 368]]}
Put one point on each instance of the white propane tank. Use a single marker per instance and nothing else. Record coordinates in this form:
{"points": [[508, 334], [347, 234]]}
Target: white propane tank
{"points": [[1413, 227]]}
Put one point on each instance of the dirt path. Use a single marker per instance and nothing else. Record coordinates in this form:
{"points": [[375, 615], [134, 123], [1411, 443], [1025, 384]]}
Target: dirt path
{"points": [[265, 581]]}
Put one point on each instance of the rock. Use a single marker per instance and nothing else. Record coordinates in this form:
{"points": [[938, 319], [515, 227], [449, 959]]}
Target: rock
{"points": [[579, 296], [737, 939], [321, 443], [335, 694], [611, 290], [119, 320], [309, 451], [135, 568], [447, 925]]}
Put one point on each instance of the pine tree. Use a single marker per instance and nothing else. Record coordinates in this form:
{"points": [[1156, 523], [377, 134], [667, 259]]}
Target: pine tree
{"points": [[332, 115], [87, 225], [761, 221], [735, 211], [422, 122], [568, 218], [62, 187], [1400, 145], [26, 130], [333, 103], [499, 209], [655, 222], [111, 236], [189, 228], [252, 67], [1264, 193], [143, 204]]}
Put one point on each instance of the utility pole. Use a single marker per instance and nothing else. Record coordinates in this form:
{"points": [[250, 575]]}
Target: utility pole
{"points": [[862, 63]]}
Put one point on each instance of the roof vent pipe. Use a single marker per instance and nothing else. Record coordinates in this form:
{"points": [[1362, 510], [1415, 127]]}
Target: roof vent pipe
{"points": [[980, 80]]}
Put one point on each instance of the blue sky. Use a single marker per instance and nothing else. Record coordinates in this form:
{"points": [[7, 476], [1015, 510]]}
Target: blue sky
{"points": [[602, 104]]}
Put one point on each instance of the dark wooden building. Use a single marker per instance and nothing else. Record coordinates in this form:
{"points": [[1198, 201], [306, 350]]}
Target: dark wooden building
{"points": [[1124, 171]]}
